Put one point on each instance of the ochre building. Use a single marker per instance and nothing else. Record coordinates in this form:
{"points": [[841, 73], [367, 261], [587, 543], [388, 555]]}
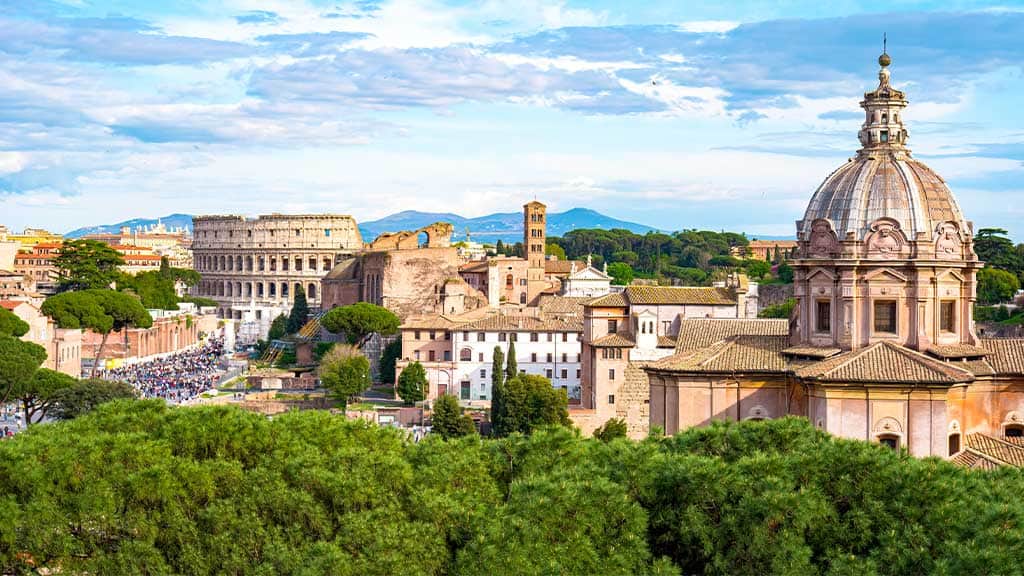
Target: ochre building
{"points": [[881, 346]]}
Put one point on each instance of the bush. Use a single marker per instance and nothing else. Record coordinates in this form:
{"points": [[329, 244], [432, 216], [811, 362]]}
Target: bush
{"points": [[783, 310]]}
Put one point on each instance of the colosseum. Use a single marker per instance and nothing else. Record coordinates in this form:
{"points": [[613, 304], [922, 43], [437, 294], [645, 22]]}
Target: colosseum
{"points": [[252, 267]]}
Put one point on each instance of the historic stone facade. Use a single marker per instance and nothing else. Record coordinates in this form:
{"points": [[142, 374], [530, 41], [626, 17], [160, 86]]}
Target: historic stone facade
{"points": [[256, 264]]}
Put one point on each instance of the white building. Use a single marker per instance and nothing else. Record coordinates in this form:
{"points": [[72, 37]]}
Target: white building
{"points": [[587, 281]]}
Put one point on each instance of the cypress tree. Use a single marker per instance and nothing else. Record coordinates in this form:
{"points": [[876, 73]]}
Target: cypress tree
{"points": [[497, 392], [512, 369], [300, 311]]}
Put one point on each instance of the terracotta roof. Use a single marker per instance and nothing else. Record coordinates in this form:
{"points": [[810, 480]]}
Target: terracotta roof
{"points": [[957, 351], [666, 342], [613, 341], [752, 354], [678, 295], [885, 362], [31, 256], [562, 266], [432, 322], [971, 459], [474, 266], [811, 351], [999, 450], [10, 304], [702, 332], [615, 299], [509, 323], [978, 367], [562, 304], [772, 243], [1006, 355]]}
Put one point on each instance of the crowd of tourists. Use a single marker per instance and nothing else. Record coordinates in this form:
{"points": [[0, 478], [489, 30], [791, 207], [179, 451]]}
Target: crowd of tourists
{"points": [[176, 378]]}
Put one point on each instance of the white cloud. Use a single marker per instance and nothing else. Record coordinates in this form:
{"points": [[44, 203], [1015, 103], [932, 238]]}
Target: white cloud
{"points": [[11, 162], [708, 26]]}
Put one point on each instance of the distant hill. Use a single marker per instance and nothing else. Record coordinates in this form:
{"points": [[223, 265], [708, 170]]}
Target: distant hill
{"points": [[507, 227], [172, 221]]}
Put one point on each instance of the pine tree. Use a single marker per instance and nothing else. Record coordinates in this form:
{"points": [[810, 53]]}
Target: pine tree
{"points": [[497, 392], [512, 369], [499, 248], [300, 311]]}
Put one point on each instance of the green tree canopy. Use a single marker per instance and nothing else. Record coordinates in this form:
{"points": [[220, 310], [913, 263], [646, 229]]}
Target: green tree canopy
{"points": [[554, 250], [996, 286], [412, 383], [358, 321], [511, 365], [388, 359], [345, 372], [101, 311], [39, 393], [996, 249], [84, 396], [87, 264], [530, 402], [18, 363], [757, 268], [497, 389], [782, 310], [621, 273], [278, 328], [300, 311], [784, 273], [11, 324], [612, 429], [447, 419]]}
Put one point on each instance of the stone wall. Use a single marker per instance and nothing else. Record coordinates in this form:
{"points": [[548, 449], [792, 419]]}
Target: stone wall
{"points": [[769, 295]]}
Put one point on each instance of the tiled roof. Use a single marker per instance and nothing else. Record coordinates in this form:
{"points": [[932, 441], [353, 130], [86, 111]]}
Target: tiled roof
{"points": [[751, 354], [666, 342], [957, 351], [562, 266], [678, 295], [474, 266], [702, 332], [885, 362], [614, 299], [999, 450], [562, 304], [431, 322], [772, 243], [978, 367], [1006, 355], [10, 304], [971, 459], [811, 351], [509, 323], [613, 341]]}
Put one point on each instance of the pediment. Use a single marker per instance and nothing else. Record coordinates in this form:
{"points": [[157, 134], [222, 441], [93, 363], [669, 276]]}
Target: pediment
{"points": [[831, 276], [884, 274], [950, 274]]}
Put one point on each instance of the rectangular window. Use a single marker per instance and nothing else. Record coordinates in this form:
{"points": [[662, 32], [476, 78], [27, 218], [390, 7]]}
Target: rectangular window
{"points": [[884, 135], [533, 357], [480, 357], [480, 337], [611, 398], [548, 373], [447, 355], [550, 336], [613, 327], [578, 373], [565, 374], [611, 373], [534, 337], [948, 316], [327, 231], [513, 336], [447, 335], [823, 321], [465, 336], [502, 337], [417, 335], [550, 357], [565, 337], [565, 357], [416, 354], [885, 316], [464, 390], [430, 356], [483, 373]]}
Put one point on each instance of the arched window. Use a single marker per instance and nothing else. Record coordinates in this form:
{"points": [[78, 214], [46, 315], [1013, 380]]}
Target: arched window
{"points": [[465, 355], [890, 440], [508, 282], [954, 443], [522, 297], [311, 291]]}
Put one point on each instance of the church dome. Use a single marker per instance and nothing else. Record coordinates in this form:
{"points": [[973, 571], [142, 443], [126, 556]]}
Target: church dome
{"points": [[883, 180]]}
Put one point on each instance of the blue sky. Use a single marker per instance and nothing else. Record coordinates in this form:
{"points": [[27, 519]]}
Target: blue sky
{"points": [[674, 114]]}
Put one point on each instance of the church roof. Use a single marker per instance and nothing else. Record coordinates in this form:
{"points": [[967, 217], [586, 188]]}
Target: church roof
{"points": [[1006, 355], [678, 295], [701, 332], [989, 452], [561, 305], [562, 267], [510, 323], [740, 353], [613, 300], [885, 362], [957, 351]]}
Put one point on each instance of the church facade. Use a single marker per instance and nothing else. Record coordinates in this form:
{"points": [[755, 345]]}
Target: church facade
{"points": [[881, 344]]}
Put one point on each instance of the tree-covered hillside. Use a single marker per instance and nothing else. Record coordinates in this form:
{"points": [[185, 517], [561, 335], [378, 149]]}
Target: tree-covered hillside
{"points": [[141, 488]]}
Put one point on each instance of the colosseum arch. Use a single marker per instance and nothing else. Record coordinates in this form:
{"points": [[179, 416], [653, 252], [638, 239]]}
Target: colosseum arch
{"points": [[439, 235]]}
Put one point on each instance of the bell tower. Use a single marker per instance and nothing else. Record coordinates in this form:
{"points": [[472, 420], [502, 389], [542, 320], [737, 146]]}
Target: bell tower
{"points": [[534, 243]]}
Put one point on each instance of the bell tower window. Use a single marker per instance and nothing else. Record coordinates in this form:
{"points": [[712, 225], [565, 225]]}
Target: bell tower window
{"points": [[823, 318], [947, 316]]}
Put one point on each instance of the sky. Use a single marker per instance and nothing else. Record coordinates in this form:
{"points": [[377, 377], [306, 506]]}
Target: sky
{"points": [[722, 116]]}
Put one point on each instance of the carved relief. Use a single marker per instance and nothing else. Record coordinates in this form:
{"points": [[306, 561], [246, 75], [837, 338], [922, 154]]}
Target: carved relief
{"points": [[885, 240], [888, 425], [949, 245], [823, 239]]}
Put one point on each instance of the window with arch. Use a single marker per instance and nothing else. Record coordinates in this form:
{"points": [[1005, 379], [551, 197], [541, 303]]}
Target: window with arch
{"points": [[465, 355], [508, 282], [890, 440], [954, 443], [311, 290]]}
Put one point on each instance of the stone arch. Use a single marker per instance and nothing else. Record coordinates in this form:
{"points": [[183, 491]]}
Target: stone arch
{"points": [[1013, 424]]}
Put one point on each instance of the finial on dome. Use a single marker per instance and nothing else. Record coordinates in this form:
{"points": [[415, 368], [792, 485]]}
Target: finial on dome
{"points": [[884, 60]]}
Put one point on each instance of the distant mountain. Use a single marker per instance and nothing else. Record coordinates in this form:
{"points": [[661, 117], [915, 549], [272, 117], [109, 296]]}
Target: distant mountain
{"points": [[507, 227], [172, 221]]}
